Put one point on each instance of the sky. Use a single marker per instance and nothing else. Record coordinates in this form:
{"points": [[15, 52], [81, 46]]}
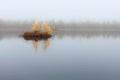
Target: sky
{"points": [[66, 10]]}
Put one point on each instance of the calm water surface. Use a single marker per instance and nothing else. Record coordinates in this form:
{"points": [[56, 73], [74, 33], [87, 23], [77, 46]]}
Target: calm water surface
{"points": [[66, 58]]}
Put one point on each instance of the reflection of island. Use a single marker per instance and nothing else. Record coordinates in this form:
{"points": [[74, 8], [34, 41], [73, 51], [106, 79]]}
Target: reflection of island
{"points": [[45, 45], [36, 40], [35, 45]]}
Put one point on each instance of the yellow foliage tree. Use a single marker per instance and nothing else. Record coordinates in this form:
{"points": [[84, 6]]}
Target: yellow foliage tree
{"points": [[35, 26], [46, 28]]}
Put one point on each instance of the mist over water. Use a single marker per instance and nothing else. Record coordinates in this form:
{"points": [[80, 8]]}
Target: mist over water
{"points": [[76, 50], [84, 45], [64, 29]]}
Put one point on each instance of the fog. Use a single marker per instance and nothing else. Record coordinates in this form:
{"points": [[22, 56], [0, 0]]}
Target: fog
{"points": [[66, 10], [10, 29]]}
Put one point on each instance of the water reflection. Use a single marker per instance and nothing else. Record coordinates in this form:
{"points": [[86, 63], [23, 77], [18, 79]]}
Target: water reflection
{"points": [[35, 41], [46, 44], [35, 45]]}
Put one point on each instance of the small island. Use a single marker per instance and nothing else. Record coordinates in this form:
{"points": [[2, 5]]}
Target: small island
{"points": [[40, 32]]}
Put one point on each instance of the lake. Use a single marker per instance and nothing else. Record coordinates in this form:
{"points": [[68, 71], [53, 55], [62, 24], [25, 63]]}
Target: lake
{"points": [[78, 56], [85, 42]]}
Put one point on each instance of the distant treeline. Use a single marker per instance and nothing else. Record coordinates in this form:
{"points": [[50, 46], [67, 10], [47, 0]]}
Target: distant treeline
{"points": [[64, 29], [69, 26]]}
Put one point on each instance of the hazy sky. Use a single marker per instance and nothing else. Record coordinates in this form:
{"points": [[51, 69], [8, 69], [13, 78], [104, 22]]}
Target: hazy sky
{"points": [[95, 10]]}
